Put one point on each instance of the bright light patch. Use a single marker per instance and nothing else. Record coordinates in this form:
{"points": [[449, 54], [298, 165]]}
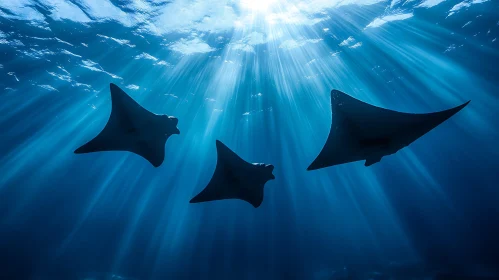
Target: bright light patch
{"points": [[257, 5]]}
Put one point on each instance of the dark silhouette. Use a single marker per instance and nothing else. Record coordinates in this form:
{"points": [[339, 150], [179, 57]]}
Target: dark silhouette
{"points": [[234, 178], [134, 129], [360, 131]]}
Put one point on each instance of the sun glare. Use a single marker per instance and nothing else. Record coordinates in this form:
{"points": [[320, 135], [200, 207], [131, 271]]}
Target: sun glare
{"points": [[257, 5]]}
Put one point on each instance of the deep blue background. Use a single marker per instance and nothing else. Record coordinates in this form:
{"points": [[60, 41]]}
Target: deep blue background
{"points": [[66, 216]]}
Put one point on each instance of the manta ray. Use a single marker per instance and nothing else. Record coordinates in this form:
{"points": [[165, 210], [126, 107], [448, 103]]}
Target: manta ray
{"points": [[134, 129], [360, 131], [235, 178]]}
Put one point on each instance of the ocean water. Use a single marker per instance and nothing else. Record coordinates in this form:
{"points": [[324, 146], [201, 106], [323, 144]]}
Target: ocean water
{"points": [[257, 76]]}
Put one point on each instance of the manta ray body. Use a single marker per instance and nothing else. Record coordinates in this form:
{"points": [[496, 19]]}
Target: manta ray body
{"points": [[134, 129], [235, 178], [360, 131]]}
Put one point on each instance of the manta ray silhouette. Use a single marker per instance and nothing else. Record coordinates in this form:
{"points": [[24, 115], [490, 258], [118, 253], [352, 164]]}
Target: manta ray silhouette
{"points": [[360, 131], [134, 129], [234, 178]]}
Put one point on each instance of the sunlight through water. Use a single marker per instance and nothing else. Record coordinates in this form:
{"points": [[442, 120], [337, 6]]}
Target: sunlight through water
{"points": [[256, 75], [258, 5]]}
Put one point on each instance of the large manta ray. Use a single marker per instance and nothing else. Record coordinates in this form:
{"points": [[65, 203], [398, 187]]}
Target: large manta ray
{"points": [[360, 131], [134, 129], [234, 178]]}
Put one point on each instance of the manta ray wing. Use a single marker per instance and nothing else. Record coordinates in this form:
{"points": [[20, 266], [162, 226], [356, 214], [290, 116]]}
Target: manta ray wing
{"points": [[360, 131], [234, 178], [130, 128]]}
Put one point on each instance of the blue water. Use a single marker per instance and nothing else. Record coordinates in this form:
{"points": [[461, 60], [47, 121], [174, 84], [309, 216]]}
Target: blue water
{"points": [[257, 76]]}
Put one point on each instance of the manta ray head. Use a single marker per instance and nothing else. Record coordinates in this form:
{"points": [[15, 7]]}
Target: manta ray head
{"points": [[170, 126], [267, 171]]}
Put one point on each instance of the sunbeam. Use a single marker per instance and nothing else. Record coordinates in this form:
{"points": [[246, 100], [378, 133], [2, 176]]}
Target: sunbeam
{"points": [[256, 75]]}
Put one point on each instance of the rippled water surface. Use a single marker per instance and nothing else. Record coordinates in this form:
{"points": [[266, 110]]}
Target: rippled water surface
{"points": [[257, 76]]}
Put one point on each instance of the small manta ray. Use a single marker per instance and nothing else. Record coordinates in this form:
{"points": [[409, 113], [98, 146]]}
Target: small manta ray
{"points": [[235, 178], [134, 129], [360, 131]]}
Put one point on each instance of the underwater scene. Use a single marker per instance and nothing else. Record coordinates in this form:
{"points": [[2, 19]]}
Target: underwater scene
{"points": [[249, 139]]}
